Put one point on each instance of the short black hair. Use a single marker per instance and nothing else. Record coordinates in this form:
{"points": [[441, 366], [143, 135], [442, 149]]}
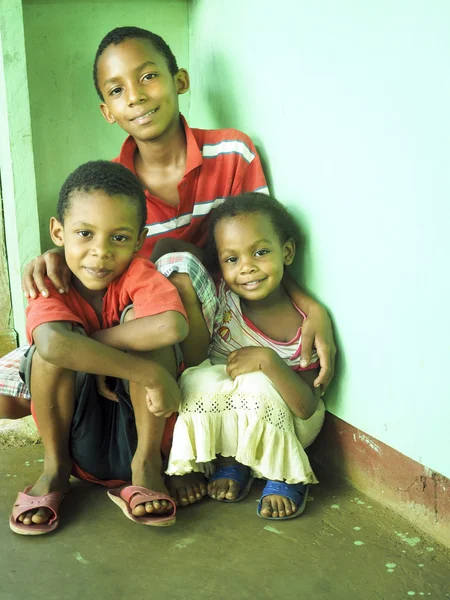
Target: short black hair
{"points": [[120, 34], [112, 178], [252, 203]]}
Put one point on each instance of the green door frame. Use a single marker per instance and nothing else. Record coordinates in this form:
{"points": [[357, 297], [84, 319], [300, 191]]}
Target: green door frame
{"points": [[16, 156]]}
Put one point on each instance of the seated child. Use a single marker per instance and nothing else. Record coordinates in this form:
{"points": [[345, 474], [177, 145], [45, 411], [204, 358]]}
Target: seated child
{"points": [[100, 224], [250, 407]]}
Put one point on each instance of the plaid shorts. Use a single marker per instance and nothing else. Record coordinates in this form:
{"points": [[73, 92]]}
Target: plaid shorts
{"points": [[181, 262]]}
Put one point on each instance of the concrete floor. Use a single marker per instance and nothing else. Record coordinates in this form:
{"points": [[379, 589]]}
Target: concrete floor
{"points": [[345, 546]]}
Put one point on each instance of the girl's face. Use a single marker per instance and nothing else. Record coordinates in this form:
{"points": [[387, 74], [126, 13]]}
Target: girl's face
{"points": [[251, 256]]}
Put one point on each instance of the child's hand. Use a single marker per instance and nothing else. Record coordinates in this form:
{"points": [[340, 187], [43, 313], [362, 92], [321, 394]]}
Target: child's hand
{"points": [[104, 390], [163, 399], [52, 263], [250, 359], [317, 331]]}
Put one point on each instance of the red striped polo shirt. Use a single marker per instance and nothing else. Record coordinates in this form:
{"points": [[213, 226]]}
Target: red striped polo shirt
{"points": [[219, 163]]}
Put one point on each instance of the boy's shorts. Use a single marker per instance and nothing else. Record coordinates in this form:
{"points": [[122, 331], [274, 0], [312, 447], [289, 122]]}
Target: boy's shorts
{"points": [[182, 262], [103, 436]]}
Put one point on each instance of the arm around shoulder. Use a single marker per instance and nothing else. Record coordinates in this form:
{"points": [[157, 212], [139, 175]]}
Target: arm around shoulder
{"points": [[317, 331]]}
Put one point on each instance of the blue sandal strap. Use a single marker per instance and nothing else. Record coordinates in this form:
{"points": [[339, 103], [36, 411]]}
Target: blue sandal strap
{"points": [[238, 473], [241, 474], [293, 491]]}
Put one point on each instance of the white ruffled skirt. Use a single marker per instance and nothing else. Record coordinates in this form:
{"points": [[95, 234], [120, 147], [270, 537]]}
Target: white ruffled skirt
{"points": [[245, 418]]}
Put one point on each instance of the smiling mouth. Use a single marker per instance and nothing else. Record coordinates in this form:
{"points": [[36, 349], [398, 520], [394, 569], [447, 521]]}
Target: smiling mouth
{"points": [[145, 117], [97, 273], [250, 284]]}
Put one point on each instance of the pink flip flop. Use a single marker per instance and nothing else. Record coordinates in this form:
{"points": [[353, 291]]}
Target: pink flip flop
{"points": [[24, 503], [130, 496]]}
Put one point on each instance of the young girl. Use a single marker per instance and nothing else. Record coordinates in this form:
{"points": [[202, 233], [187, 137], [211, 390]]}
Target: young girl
{"points": [[249, 407]]}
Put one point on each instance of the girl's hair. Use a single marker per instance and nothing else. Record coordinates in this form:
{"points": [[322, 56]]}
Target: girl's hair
{"points": [[111, 178], [252, 203]]}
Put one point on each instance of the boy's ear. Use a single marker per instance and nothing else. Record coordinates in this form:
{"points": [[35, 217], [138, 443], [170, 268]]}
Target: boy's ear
{"points": [[141, 239], [107, 113], [57, 232], [182, 81], [289, 252]]}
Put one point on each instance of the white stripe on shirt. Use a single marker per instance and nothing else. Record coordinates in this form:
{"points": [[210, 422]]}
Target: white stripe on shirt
{"points": [[228, 147], [201, 209]]}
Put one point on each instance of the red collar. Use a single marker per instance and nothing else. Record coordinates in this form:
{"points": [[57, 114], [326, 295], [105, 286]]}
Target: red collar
{"points": [[194, 157]]}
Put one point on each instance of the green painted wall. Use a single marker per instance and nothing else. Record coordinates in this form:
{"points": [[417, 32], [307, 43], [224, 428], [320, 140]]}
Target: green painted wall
{"points": [[348, 103], [61, 41]]}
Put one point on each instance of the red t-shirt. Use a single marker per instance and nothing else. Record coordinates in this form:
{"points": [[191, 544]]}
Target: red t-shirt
{"points": [[141, 285], [219, 163]]}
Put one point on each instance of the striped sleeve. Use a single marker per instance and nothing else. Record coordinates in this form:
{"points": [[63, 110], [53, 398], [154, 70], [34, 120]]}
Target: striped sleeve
{"points": [[249, 174]]}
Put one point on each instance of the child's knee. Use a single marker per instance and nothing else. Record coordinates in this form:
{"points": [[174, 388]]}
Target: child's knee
{"points": [[12, 407]]}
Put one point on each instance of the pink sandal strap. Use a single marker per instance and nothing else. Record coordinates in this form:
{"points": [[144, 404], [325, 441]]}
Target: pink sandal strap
{"points": [[135, 494], [24, 503]]}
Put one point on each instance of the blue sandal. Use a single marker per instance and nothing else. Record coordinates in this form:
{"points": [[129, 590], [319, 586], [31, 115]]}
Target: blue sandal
{"points": [[239, 473], [296, 492]]}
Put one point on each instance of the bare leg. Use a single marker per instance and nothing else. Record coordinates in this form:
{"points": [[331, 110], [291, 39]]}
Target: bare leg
{"points": [[14, 407], [53, 399], [147, 466], [191, 488]]}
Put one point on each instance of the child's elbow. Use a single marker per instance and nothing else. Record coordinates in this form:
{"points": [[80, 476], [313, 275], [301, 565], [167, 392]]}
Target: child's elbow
{"points": [[178, 328], [50, 347]]}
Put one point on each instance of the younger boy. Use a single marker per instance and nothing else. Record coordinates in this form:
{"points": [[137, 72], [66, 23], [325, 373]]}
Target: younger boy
{"points": [[100, 224]]}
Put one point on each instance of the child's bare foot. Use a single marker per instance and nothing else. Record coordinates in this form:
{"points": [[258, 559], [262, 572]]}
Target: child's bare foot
{"points": [[54, 479], [187, 489], [273, 507], [148, 475], [227, 488]]}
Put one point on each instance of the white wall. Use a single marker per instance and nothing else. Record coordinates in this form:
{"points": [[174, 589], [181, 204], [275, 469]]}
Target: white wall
{"points": [[349, 104]]}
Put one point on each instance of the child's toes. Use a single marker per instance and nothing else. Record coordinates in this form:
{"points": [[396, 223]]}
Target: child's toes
{"points": [[221, 490], [25, 518], [288, 507], [202, 487], [266, 507], [281, 508], [183, 497], [212, 489], [192, 497], [198, 493], [42, 515], [163, 507], [139, 510], [233, 490]]}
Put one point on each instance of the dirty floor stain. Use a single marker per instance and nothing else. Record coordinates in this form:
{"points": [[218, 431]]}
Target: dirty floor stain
{"points": [[216, 550]]}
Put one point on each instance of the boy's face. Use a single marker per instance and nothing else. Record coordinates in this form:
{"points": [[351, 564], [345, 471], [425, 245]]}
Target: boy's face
{"points": [[100, 235], [141, 95]]}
